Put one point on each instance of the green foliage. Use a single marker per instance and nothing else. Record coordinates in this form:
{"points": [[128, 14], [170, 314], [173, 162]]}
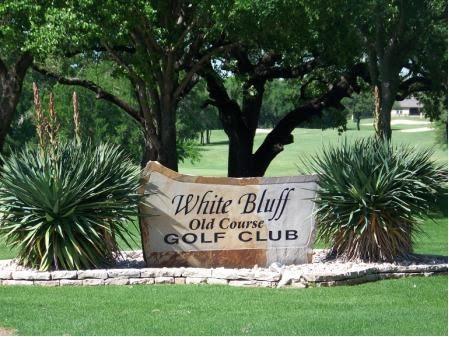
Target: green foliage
{"points": [[188, 149], [435, 108], [17, 19], [102, 120], [280, 97], [370, 196], [64, 211], [193, 117], [360, 105]]}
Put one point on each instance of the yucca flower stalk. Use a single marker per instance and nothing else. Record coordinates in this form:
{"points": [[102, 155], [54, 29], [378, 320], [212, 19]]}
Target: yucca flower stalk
{"points": [[372, 196], [52, 126], [76, 118], [41, 120]]}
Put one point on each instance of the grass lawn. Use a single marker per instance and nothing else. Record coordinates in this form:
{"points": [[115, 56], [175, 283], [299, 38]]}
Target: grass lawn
{"points": [[395, 307], [307, 142], [413, 306]]}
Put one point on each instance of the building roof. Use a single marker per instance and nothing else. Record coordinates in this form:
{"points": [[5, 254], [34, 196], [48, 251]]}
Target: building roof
{"points": [[408, 103]]}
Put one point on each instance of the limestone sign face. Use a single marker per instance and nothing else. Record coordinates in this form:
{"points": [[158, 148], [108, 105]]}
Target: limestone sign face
{"points": [[226, 222]]}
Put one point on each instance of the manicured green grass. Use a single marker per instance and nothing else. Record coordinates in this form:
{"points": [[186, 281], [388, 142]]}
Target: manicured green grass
{"points": [[413, 306], [307, 142], [6, 252], [433, 239]]}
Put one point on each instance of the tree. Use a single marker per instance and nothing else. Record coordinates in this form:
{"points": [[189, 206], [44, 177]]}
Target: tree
{"points": [[159, 46], [360, 105], [435, 108], [17, 17], [194, 119], [405, 45], [280, 41]]}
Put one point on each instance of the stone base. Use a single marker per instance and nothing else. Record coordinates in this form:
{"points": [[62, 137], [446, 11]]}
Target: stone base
{"points": [[293, 276]]}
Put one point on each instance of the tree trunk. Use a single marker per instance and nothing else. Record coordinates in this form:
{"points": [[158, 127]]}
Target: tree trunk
{"points": [[167, 130], [11, 81], [208, 133], [384, 100], [149, 152], [202, 137], [8, 103], [240, 156]]}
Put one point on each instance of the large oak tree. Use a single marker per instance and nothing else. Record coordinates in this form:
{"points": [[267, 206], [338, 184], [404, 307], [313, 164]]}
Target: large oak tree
{"points": [[17, 19], [159, 46], [280, 41]]}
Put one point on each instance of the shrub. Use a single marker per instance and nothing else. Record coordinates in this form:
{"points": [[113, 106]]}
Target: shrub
{"points": [[64, 211], [371, 195]]}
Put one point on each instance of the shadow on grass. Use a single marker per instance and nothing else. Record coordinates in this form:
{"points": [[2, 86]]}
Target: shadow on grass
{"points": [[441, 205], [221, 142]]}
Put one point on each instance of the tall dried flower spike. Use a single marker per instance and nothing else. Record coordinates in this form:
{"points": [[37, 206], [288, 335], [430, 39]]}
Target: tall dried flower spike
{"points": [[76, 118], [53, 125], [41, 121]]}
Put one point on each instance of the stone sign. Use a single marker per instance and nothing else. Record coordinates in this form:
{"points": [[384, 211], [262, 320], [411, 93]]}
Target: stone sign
{"points": [[226, 222]]}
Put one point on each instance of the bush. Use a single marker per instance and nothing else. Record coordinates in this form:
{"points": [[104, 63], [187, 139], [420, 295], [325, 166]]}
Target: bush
{"points": [[371, 195], [64, 210]]}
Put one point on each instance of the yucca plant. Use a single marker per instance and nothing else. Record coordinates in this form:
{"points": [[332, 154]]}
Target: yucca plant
{"points": [[64, 211], [371, 196]]}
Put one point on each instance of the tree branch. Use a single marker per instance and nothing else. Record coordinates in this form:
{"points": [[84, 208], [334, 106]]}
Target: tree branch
{"points": [[23, 63], [413, 85], [197, 66], [99, 91], [119, 60], [285, 72], [281, 133], [126, 49], [184, 33]]}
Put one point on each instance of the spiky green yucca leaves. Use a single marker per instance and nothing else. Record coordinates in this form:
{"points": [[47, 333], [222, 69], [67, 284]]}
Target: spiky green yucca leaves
{"points": [[370, 196], [64, 211]]}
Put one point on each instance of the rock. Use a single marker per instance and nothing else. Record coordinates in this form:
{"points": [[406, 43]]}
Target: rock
{"points": [[289, 276], [116, 281], [63, 274], [142, 280], [220, 281], [93, 274], [161, 272], [180, 280], [242, 283], [164, 280], [299, 285], [265, 275], [47, 283], [17, 283], [5, 275], [64, 282], [123, 273], [276, 267], [30, 275], [233, 274], [265, 284], [197, 272], [195, 280], [93, 282], [148, 272], [170, 272]]}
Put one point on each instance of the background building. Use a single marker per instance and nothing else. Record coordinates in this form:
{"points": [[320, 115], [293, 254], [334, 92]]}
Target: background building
{"points": [[407, 107]]}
